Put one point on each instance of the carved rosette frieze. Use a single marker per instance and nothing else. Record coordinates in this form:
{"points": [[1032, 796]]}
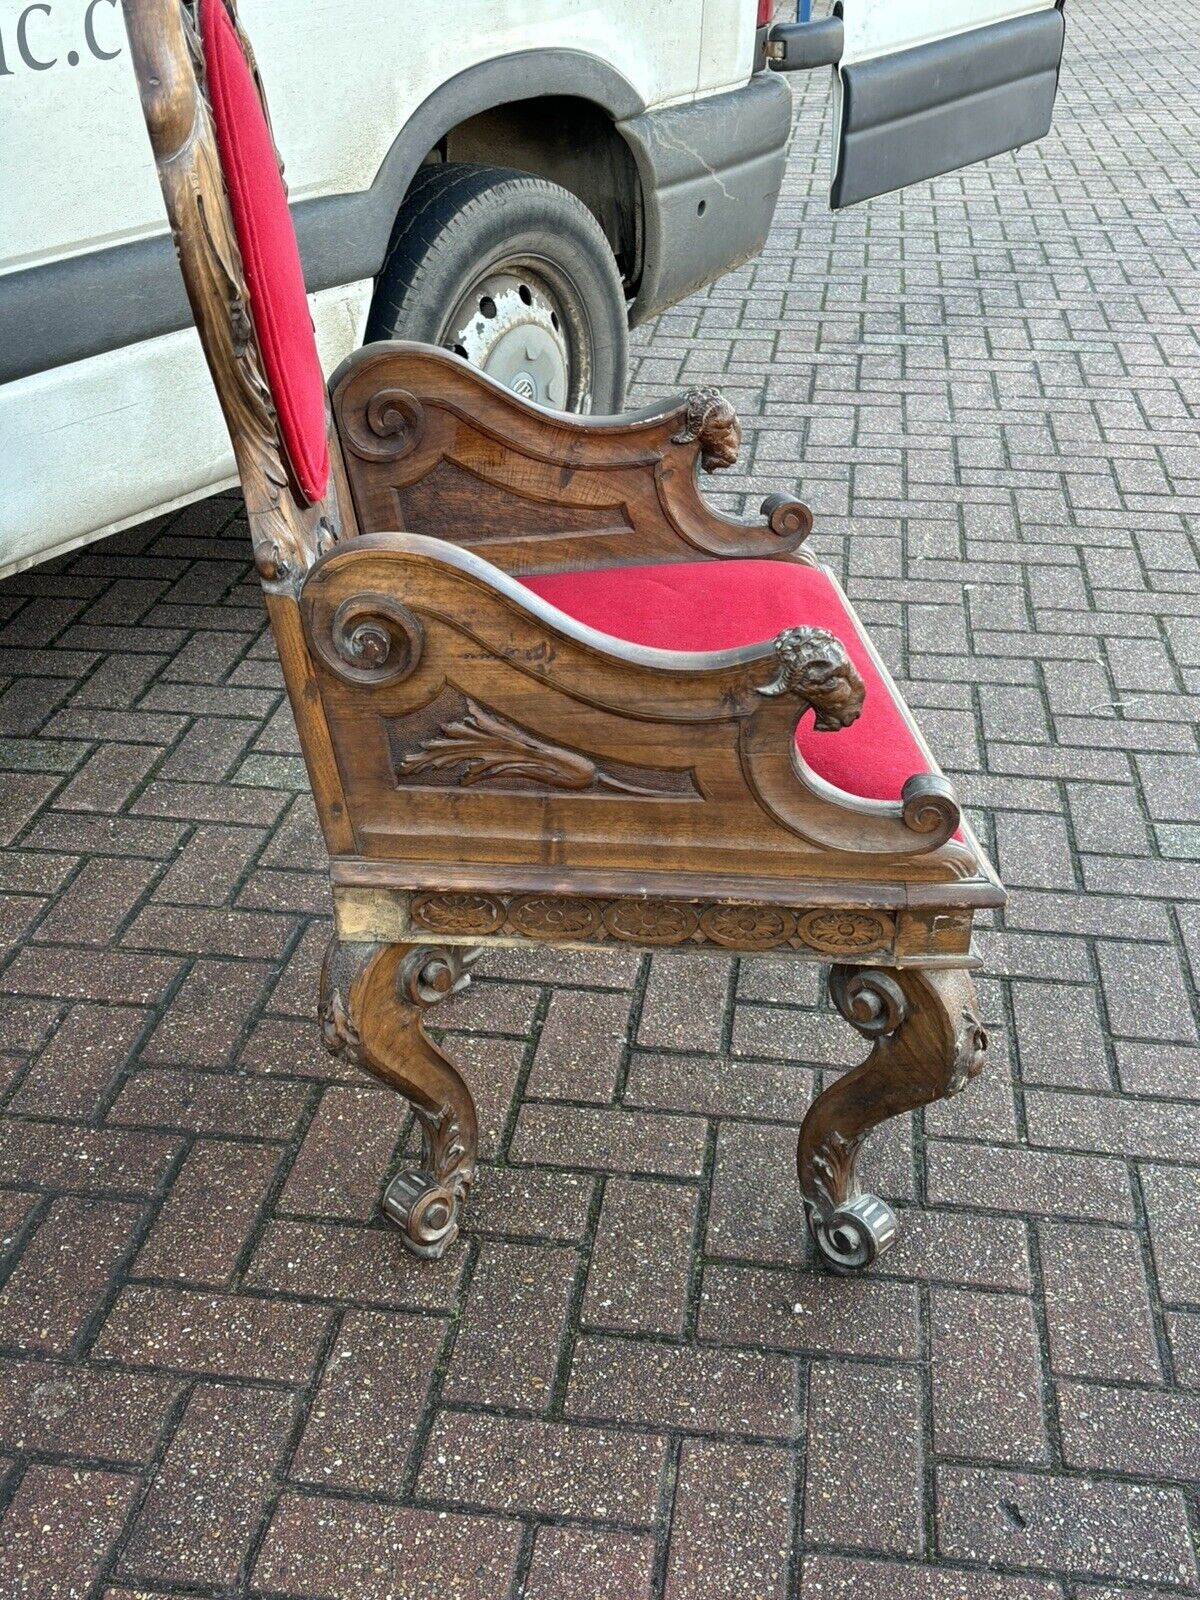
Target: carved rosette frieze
{"points": [[711, 422], [628, 919], [846, 933], [815, 667]]}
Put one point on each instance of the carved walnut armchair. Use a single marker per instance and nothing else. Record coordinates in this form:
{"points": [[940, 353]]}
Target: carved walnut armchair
{"points": [[545, 694]]}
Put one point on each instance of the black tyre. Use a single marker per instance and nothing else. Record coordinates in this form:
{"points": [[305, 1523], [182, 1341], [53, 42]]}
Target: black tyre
{"points": [[516, 275]]}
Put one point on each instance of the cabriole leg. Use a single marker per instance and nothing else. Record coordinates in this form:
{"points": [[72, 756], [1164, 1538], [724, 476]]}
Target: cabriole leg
{"points": [[373, 998], [928, 1042]]}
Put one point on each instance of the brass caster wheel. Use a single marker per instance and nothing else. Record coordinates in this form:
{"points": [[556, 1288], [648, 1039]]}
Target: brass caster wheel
{"points": [[425, 1211], [855, 1234]]}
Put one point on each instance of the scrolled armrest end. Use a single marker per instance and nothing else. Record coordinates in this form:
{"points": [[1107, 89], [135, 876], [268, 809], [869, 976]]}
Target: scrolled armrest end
{"points": [[929, 806]]}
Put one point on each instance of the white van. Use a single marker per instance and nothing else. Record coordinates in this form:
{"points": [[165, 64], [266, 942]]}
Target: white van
{"points": [[518, 180]]}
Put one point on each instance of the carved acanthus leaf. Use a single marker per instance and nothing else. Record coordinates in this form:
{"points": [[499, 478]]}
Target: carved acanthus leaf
{"points": [[490, 749]]}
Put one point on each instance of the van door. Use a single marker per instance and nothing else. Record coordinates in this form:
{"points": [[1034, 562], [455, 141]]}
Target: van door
{"points": [[925, 86]]}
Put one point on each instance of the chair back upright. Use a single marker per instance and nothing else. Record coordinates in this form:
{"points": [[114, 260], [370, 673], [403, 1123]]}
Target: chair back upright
{"points": [[227, 204]]}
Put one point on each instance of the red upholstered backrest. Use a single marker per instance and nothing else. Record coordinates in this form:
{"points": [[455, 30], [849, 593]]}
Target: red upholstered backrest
{"points": [[278, 306]]}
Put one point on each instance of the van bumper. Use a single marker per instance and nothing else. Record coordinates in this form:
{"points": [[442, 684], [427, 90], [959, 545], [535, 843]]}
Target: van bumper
{"points": [[710, 174]]}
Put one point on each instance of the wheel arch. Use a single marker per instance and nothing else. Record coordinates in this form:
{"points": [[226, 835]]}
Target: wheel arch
{"points": [[344, 238]]}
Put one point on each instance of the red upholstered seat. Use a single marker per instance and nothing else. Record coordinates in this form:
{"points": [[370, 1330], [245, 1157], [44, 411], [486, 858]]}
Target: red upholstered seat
{"points": [[267, 240], [719, 605]]}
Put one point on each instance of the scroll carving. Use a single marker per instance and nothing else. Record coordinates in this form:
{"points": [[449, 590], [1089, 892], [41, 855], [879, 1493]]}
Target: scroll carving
{"points": [[712, 422], [387, 428]]}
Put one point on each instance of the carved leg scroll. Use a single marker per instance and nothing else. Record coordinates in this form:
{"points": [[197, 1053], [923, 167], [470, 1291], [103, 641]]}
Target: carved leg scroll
{"points": [[928, 1042], [372, 1002]]}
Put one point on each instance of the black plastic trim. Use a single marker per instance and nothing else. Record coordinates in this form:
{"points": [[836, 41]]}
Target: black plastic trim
{"points": [[104, 299], [710, 172], [922, 112]]}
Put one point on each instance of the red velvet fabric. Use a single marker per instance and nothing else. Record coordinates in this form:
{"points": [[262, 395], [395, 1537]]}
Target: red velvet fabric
{"points": [[278, 305], [719, 605]]}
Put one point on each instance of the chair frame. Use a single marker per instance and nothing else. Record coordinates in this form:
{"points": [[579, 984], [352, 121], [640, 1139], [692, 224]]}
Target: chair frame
{"points": [[488, 771]]}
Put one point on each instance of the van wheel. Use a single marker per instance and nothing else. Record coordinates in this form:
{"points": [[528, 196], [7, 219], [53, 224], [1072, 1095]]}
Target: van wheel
{"points": [[513, 273]]}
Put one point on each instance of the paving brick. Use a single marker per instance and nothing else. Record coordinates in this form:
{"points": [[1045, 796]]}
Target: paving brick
{"points": [[581, 1046], [781, 1311], [79, 974], [863, 1466], [224, 1335], [366, 1412], [206, 1502], [1097, 1310], [1143, 1433], [210, 866], [338, 1549], [576, 1136], [71, 1410], [715, 1086], [849, 1578], [1059, 1036], [684, 1388], [1098, 1529], [731, 1523], [90, 1160], [641, 1261], [684, 1003], [987, 1377], [109, 778], [351, 1266], [1171, 1206], [1145, 992], [208, 1013], [98, 900], [1038, 1181], [564, 1469], [1159, 1069], [579, 1564], [61, 1278], [511, 1325], [205, 1221], [209, 1102], [59, 1529], [521, 1201], [77, 1066], [964, 1250], [1147, 1129], [342, 1163]]}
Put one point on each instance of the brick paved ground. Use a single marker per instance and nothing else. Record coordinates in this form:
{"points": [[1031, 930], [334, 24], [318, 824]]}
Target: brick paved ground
{"points": [[219, 1370]]}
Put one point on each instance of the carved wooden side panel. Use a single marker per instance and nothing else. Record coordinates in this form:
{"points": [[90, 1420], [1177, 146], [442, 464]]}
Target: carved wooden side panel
{"points": [[434, 447]]}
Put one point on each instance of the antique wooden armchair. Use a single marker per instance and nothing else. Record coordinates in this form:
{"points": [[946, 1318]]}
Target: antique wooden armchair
{"points": [[568, 702]]}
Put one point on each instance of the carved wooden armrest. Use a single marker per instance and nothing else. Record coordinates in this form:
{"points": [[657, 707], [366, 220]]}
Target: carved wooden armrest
{"points": [[433, 445], [399, 625]]}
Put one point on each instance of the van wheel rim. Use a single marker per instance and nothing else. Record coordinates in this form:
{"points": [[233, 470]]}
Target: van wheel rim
{"points": [[514, 326]]}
